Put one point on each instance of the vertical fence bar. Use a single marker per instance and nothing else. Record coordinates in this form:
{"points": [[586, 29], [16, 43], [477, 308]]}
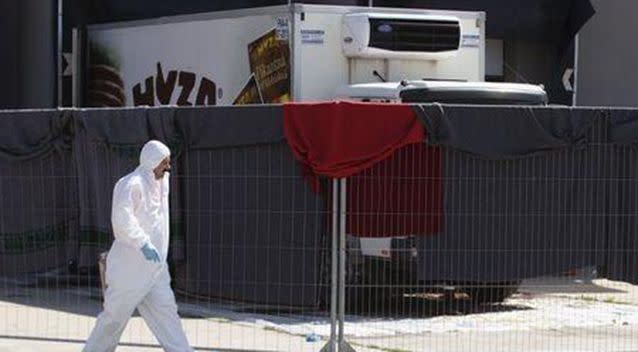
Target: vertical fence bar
{"points": [[343, 345], [331, 345], [342, 258], [333, 265], [341, 265]]}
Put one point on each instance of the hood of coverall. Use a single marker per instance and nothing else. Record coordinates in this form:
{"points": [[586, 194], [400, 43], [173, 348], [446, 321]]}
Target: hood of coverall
{"points": [[152, 154]]}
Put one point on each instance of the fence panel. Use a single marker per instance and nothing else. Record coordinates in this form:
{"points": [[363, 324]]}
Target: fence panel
{"points": [[250, 249], [431, 249], [488, 254]]}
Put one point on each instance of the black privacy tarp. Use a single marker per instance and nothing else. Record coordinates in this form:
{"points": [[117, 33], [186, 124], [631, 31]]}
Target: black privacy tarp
{"points": [[254, 231], [32, 134], [38, 193], [532, 191], [502, 133], [527, 191], [244, 226], [519, 218]]}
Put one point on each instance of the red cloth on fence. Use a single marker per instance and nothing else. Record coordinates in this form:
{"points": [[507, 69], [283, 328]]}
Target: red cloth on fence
{"points": [[342, 139], [399, 196]]}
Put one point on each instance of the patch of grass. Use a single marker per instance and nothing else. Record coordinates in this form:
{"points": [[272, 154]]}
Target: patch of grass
{"points": [[220, 320], [610, 300], [588, 299], [613, 300]]}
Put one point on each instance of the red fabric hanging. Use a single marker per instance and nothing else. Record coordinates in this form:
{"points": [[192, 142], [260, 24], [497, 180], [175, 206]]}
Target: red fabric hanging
{"points": [[399, 196], [397, 189]]}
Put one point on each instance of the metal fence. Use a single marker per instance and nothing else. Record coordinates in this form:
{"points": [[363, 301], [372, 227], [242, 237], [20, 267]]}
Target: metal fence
{"points": [[524, 259], [430, 250]]}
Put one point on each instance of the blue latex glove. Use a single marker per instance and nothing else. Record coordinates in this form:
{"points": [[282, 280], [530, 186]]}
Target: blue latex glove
{"points": [[150, 253]]}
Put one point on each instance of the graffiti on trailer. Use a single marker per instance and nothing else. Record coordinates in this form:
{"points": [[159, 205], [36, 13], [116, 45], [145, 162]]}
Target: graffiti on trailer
{"points": [[161, 89]]}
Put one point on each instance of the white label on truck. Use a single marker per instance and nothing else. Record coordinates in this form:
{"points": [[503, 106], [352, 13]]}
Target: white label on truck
{"points": [[470, 40], [312, 36], [282, 28]]}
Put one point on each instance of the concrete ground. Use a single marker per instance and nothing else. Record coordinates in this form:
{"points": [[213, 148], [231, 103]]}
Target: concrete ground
{"points": [[30, 345], [530, 321], [547, 314]]}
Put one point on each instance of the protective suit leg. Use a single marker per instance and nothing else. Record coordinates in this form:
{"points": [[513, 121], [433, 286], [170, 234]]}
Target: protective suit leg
{"points": [[119, 305], [159, 311]]}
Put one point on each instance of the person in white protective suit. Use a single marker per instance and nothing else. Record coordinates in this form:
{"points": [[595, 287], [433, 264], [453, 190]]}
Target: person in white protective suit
{"points": [[136, 269]]}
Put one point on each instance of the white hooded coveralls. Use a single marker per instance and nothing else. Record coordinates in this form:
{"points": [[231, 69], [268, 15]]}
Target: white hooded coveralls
{"points": [[139, 216]]}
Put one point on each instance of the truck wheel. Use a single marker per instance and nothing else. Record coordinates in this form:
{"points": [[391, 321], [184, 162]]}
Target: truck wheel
{"points": [[373, 289]]}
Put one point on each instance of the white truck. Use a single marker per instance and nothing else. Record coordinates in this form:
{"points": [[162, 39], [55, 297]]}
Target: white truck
{"points": [[299, 52], [284, 53]]}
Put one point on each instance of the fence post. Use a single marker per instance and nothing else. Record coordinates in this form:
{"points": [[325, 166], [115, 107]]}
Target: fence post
{"points": [[343, 345], [331, 345]]}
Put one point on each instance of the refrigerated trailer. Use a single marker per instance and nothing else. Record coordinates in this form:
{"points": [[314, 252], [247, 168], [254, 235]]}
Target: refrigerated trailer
{"points": [[275, 54]]}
